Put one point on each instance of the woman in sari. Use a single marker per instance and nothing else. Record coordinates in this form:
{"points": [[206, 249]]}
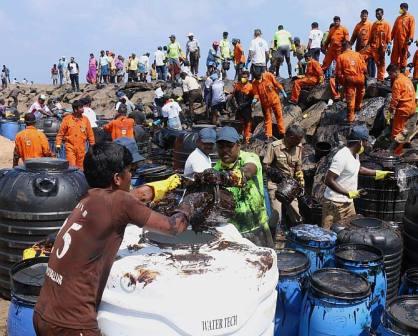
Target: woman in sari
{"points": [[92, 73]]}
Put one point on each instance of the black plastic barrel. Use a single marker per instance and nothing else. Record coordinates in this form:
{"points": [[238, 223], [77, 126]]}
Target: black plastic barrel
{"points": [[409, 283], [35, 199], [410, 229], [310, 209], [384, 198], [322, 148], [184, 145], [400, 318], [377, 233]]}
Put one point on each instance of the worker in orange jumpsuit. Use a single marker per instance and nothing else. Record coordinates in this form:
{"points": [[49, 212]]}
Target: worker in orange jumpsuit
{"points": [[239, 57], [379, 44], [350, 72], [333, 44], [361, 32], [30, 143], [265, 90], [121, 126], [402, 36], [313, 76], [243, 94], [402, 108], [75, 131], [414, 63]]}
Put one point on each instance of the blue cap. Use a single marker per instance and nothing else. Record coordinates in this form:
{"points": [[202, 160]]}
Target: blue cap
{"points": [[358, 133], [229, 134], [207, 135], [130, 145]]}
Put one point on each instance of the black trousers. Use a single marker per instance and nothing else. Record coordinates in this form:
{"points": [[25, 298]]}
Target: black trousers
{"points": [[74, 82]]}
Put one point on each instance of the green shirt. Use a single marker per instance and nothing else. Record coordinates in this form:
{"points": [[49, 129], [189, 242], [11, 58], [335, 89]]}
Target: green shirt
{"points": [[283, 38], [225, 49], [173, 50], [250, 208]]}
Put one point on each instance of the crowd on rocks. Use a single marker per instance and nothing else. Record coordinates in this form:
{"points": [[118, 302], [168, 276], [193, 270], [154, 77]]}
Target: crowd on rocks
{"points": [[108, 152]]}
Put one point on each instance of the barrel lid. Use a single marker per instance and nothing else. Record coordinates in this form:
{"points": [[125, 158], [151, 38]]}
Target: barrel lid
{"points": [[359, 253], [340, 283], [291, 262], [150, 168], [46, 164], [313, 235], [367, 223], [27, 278], [402, 312]]}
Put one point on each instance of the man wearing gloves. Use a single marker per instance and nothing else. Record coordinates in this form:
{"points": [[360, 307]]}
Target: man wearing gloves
{"points": [[402, 35], [286, 157], [342, 178]]}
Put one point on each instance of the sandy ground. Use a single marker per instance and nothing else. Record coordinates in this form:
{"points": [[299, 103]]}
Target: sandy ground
{"points": [[6, 155]]}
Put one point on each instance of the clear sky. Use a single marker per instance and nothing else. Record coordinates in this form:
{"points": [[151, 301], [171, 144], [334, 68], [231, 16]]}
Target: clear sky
{"points": [[36, 33]]}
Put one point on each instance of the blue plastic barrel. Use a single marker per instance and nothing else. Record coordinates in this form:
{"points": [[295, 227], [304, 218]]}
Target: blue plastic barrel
{"points": [[9, 129], [409, 284], [367, 261], [21, 125], [293, 280], [26, 280], [336, 304], [20, 318], [400, 318], [317, 243]]}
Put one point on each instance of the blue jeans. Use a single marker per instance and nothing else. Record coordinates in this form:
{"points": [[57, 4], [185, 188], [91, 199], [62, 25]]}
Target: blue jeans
{"points": [[371, 68], [162, 72]]}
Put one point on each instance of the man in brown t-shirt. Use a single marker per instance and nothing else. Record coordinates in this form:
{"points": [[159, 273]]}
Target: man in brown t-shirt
{"points": [[89, 239]]}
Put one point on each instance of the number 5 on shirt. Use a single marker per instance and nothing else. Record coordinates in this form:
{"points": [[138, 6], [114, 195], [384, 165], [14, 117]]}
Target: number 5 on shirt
{"points": [[67, 240]]}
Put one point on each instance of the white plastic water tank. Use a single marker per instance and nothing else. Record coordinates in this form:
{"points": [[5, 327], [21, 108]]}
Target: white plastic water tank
{"points": [[226, 286]]}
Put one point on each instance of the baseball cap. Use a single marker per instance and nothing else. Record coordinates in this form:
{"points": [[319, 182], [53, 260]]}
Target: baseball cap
{"points": [[190, 34], [30, 118], [42, 96], [207, 135], [358, 133], [130, 145], [172, 35], [229, 134]]}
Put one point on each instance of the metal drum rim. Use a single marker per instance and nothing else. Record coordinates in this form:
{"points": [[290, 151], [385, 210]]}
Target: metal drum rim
{"points": [[351, 246], [296, 270], [393, 320]]}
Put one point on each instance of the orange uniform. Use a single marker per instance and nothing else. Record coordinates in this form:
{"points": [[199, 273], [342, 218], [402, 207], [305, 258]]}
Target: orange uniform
{"points": [[378, 43], [403, 31], [31, 143], [243, 94], [265, 91], [122, 126], [75, 132], [402, 104], [415, 65], [361, 35], [313, 76], [350, 72], [239, 57], [333, 44]]}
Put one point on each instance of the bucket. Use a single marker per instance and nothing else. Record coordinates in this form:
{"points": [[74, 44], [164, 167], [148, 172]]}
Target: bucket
{"points": [[287, 190], [409, 284], [322, 149], [27, 278], [367, 261], [9, 129], [293, 275], [400, 318], [316, 243], [337, 303]]}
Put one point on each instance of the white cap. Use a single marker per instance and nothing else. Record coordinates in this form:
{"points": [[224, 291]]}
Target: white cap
{"points": [[190, 34], [42, 96]]}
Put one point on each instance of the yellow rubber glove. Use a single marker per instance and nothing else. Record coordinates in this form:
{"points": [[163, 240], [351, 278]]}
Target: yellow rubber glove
{"points": [[299, 177], [382, 174], [161, 188], [321, 80], [388, 117], [354, 194]]}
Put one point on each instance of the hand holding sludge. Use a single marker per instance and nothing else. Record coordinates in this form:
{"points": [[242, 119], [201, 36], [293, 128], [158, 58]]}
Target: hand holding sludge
{"points": [[161, 188]]}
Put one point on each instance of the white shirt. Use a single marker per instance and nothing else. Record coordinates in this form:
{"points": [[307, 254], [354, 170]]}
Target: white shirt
{"points": [[104, 60], [347, 167], [144, 60], [159, 93], [316, 36], [91, 116], [197, 162], [171, 110], [35, 107], [159, 58], [218, 93], [259, 48], [73, 68], [190, 83], [192, 46]]}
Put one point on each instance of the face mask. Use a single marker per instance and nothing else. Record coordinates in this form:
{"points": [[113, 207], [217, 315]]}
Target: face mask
{"points": [[401, 11], [244, 80], [227, 165], [361, 151]]}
